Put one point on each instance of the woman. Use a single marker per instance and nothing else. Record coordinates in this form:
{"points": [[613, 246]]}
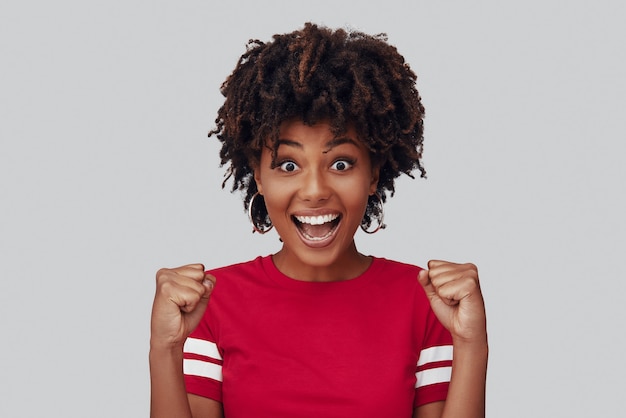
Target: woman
{"points": [[315, 127]]}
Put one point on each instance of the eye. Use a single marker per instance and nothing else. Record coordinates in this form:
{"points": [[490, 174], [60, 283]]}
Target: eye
{"points": [[342, 165], [288, 166]]}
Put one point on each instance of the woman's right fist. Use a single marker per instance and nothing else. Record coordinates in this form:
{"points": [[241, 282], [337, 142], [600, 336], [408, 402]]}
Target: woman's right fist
{"points": [[181, 298]]}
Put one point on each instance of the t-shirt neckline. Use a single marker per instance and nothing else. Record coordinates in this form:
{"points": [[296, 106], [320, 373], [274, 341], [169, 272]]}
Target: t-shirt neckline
{"points": [[277, 276]]}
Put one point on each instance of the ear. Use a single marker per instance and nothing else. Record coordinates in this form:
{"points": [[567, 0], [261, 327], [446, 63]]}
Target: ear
{"points": [[257, 177], [375, 178]]}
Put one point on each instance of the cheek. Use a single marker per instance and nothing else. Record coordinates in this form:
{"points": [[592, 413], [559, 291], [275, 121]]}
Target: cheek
{"points": [[276, 198], [355, 195]]}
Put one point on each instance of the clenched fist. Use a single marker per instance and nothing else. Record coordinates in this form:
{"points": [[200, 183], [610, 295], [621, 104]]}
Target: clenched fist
{"points": [[181, 298], [456, 299]]}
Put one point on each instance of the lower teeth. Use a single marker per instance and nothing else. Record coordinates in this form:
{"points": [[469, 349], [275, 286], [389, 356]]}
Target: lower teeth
{"points": [[317, 238]]}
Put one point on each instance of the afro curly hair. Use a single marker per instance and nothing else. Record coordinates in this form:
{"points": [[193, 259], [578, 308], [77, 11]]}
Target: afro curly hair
{"points": [[315, 73]]}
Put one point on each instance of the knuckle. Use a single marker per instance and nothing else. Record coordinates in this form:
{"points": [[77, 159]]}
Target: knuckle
{"points": [[471, 266], [167, 287], [162, 272]]}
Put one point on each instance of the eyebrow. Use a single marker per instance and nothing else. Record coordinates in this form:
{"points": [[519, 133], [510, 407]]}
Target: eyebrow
{"points": [[339, 141], [329, 145], [288, 142]]}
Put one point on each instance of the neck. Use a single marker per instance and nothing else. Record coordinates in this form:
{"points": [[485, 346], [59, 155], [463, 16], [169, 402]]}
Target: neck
{"points": [[346, 266]]}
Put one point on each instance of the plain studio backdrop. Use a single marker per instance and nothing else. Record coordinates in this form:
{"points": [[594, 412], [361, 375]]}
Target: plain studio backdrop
{"points": [[106, 175]]}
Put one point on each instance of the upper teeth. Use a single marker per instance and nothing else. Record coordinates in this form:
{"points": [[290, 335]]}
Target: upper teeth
{"points": [[317, 220]]}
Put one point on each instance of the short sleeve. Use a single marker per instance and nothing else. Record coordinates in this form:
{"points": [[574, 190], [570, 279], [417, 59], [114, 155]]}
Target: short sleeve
{"points": [[434, 364], [202, 362]]}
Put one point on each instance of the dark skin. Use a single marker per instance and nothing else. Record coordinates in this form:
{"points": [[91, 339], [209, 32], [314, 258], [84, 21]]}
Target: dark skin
{"points": [[315, 74], [351, 82], [452, 289]]}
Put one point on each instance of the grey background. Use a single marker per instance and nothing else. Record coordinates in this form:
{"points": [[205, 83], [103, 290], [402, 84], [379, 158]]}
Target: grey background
{"points": [[106, 175]]}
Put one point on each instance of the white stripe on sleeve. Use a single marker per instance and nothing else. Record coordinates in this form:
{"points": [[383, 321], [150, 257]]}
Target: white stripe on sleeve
{"points": [[202, 368], [433, 354], [432, 376], [202, 347]]}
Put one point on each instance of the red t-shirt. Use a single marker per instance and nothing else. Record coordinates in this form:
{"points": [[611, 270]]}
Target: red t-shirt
{"points": [[271, 346]]}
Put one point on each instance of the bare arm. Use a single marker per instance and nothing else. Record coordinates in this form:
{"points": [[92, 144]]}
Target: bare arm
{"points": [[181, 298], [430, 410], [168, 397], [205, 408], [455, 296], [466, 395]]}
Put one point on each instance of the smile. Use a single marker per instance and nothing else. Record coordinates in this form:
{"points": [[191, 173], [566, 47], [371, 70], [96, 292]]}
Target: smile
{"points": [[317, 228]]}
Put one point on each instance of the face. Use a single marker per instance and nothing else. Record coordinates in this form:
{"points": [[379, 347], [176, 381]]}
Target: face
{"points": [[316, 192]]}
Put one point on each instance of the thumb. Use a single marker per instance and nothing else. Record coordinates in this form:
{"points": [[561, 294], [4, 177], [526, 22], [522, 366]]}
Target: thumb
{"points": [[208, 282], [195, 314], [424, 280]]}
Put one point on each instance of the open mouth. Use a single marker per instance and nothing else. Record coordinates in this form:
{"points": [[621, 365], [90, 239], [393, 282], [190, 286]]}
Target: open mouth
{"points": [[317, 228]]}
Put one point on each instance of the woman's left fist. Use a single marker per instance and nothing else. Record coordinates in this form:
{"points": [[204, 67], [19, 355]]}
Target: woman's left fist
{"points": [[455, 297]]}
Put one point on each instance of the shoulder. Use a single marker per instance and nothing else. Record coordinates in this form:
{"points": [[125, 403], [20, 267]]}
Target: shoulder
{"points": [[399, 277], [396, 267], [241, 268], [240, 276]]}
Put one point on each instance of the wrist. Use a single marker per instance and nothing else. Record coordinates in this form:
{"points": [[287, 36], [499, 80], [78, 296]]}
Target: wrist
{"points": [[164, 349], [474, 345]]}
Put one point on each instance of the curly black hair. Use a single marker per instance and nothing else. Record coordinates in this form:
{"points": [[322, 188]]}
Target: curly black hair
{"points": [[316, 73]]}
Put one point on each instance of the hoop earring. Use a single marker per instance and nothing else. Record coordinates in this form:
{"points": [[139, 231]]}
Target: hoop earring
{"points": [[380, 218], [255, 228]]}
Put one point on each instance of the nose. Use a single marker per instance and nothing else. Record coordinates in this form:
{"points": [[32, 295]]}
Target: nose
{"points": [[314, 187]]}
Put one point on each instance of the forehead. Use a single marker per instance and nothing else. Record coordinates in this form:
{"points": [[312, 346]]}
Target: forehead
{"points": [[299, 131]]}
